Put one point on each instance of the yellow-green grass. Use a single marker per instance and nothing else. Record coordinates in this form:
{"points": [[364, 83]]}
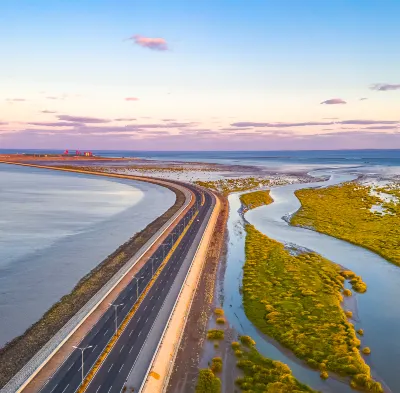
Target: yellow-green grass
{"points": [[226, 186], [265, 375], [344, 212], [207, 382], [255, 199], [296, 300]]}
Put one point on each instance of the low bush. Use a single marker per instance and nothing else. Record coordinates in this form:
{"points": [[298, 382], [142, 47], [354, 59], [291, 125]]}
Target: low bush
{"points": [[247, 340], [216, 365], [207, 382], [219, 311], [215, 334], [220, 321]]}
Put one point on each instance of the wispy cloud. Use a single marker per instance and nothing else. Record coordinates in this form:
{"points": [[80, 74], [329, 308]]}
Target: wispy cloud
{"points": [[334, 101], [278, 125], [16, 99], [385, 87], [159, 44], [46, 111], [57, 124], [52, 98], [125, 119], [363, 99], [368, 122], [82, 119], [131, 99]]}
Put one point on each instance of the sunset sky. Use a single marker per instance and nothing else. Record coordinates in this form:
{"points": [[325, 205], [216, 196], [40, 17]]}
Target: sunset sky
{"points": [[200, 74]]}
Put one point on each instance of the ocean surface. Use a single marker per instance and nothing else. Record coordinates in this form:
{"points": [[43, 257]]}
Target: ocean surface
{"points": [[57, 226], [370, 161]]}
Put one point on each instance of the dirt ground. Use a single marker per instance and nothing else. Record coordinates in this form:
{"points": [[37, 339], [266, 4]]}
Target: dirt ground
{"points": [[184, 375]]}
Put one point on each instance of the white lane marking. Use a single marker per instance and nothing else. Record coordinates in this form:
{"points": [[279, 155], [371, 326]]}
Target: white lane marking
{"points": [[146, 320], [69, 368], [121, 368], [80, 368], [130, 333], [130, 349], [121, 348], [106, 332], [139, 319], [153, 308], [131, 298], [94, 347], [53, 388], [98, 388], [110, 367], [152, 297], [109, 389], [145, 308], [65, 389], [139, 333], [123, 307]]}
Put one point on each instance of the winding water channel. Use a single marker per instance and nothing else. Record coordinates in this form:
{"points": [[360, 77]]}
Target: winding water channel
{"points": [[377, 311]]}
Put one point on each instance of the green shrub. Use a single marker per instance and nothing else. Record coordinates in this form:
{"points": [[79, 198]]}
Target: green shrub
{"points": [[216, 365], [220, 321], [215, 334], [247, 340], [219, 311], [207, 382]]}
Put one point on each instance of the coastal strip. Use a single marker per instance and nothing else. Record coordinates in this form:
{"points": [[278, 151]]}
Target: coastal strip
{"points": [[18, 352]]}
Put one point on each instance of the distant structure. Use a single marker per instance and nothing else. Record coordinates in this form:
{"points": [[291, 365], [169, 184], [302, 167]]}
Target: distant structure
{"points": [[77, 153]]}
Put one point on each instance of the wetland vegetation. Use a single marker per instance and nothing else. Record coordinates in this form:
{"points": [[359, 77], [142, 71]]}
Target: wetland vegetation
{"points": [[363, 215], [296, 299], [255, 199]]}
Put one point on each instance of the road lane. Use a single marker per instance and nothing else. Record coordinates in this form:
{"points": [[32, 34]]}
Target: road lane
{"points": [[116, 367]]}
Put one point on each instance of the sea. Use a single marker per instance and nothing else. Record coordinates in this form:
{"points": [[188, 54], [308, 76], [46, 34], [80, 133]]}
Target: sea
{"points": [[57, 226]]}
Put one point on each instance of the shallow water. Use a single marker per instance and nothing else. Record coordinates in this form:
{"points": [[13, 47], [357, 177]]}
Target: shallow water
{"points": [[57, 226], [378, 308]]}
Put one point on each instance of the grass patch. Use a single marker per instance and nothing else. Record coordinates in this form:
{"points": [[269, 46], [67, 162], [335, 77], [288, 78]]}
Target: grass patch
{"points": [[344, 212], [265, 375], [296, 300], [207, 382], [226, 186], [255, 199]]}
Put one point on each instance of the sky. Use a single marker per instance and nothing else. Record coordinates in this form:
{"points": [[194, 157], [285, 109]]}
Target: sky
{"points": [[200, 74]]}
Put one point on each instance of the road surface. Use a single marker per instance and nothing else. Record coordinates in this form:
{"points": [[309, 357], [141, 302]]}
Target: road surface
{"points": [[114, 371]]}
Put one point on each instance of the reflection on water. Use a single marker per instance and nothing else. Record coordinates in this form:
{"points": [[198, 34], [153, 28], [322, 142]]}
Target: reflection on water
{"points": [[57, 226], [377, 308]]}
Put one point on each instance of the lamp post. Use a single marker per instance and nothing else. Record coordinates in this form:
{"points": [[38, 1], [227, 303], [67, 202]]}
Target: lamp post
{"points": [[82, 350], [137, 286], [152, 265], [116, 321]]}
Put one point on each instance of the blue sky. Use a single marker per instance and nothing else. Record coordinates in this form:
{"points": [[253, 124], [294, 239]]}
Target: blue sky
{"points": [[269, 63]]}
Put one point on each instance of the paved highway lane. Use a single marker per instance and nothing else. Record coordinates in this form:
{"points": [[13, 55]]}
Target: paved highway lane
{"points": [[115, 369]]}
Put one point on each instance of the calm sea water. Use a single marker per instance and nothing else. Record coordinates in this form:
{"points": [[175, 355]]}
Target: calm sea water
{"points": [[303, 157], [57, 226]]}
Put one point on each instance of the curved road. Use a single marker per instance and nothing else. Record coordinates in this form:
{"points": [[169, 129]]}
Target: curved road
{"points": [[114, 371]]}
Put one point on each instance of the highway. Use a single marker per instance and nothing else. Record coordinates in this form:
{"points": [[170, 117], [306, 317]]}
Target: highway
{"points": [[111, 376]]}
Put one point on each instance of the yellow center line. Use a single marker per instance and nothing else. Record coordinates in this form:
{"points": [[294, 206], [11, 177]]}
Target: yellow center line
{"points": [[131, 313]]}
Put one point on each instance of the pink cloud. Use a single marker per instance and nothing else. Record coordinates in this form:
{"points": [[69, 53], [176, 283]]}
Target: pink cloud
{"points": [[16, 99], [131, 99], [334, 101], [151, 43]]}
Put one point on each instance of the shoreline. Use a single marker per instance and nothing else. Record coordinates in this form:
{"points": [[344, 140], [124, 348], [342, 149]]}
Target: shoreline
{"points": [[17, 352]]}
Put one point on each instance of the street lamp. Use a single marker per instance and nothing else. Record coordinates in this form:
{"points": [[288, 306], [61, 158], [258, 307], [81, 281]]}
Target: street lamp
{"points": [[152, 265], [137, 285], [115, 308], [82, 350]]}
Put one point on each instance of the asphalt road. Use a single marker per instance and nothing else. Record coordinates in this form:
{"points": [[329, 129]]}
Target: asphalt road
{"points": [[114, 371]]}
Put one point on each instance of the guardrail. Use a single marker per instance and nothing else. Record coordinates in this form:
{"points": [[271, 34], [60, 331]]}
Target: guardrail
{"points": [[38, 361]]}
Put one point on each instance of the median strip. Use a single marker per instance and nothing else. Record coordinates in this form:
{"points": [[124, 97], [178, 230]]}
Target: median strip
{"points": [[131, 313]]}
